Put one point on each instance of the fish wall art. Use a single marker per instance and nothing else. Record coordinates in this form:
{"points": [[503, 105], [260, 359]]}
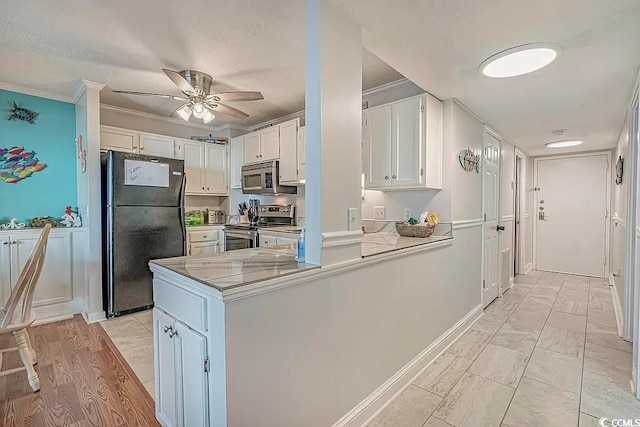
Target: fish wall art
{"points": [[17, 164], [19, 113]]}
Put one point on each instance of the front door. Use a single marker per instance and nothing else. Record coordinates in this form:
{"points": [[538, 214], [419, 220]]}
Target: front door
{"points": [[570, 214], [491, 189]]}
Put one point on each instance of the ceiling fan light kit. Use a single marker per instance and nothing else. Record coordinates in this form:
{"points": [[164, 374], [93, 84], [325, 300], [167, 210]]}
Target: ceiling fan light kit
{"points": [[520, 60], [200, 102]]}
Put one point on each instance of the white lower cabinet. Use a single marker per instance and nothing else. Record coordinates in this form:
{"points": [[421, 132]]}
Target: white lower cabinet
{"points": [[56, 280], [181, 365], [204, 240]]}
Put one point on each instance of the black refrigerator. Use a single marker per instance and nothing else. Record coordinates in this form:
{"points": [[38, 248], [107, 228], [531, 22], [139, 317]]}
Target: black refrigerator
{"points": [[143, 219]]}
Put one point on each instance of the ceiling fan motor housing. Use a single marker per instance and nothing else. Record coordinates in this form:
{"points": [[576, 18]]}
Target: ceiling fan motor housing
{"points": [[200, 81]]}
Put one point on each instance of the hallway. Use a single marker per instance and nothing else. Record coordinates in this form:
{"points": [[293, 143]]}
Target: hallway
{"points": [[546, 353]]}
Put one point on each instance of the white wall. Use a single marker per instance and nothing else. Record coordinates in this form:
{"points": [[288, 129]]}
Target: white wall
{"points": [[323, 346]]}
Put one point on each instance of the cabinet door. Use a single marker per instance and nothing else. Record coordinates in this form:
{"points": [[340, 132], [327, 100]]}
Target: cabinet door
{"points": [[192, 376], [252, 148], [289, 151], [5, 269], [267, 241], [156, 145], [235, 161], [302, 161], [407, 126], [119, 140], [270, 143], [378, 140], [165, 369], [203, 248], [215, 171], [55, 283], [193, 153]]}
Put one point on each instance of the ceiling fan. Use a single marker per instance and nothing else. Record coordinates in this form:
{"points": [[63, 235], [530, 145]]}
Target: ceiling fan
{"points": [[196, 86]]}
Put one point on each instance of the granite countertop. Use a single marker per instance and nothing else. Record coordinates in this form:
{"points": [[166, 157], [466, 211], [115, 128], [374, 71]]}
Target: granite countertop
{"points": [[380, 243], [228, 270]]}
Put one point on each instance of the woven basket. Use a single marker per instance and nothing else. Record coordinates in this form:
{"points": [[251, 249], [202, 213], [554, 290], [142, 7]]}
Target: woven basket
{"points": [[408, 230]]}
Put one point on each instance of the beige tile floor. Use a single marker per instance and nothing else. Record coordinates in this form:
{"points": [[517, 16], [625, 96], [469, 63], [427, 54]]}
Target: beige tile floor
{"points": [[546, 353], [133, 336]]}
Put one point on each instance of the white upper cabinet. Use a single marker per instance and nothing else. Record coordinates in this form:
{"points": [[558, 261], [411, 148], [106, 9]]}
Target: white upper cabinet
{"points": [[402, 144], [378, 138], [407, 122], [157, 145], [262, 145], [118, 139], [252, 147], [215, 170], [236, 148], [289, 151], [193, 153], [270, 143]]}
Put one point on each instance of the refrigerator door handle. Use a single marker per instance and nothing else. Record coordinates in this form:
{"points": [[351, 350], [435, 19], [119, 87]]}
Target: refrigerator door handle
{"points": [[182, 212]]}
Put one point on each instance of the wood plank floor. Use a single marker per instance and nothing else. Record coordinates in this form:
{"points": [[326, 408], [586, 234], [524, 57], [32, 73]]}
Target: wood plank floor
{"points": [[83, 378]]}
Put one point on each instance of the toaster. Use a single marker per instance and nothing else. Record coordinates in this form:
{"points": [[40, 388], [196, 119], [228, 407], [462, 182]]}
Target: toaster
{"points": [[216, 217]]}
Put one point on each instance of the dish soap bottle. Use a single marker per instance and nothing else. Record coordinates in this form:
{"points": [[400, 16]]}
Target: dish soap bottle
{"points": [[301, 255]]}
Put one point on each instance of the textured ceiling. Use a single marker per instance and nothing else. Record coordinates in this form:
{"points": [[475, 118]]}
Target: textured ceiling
{"points": [[258, 45], [243, 44], [440, 44]]}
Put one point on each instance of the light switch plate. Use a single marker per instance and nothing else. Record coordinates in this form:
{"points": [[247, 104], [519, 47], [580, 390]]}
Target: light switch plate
{"points": [[352, 219], [378, 212], [408, 213]]}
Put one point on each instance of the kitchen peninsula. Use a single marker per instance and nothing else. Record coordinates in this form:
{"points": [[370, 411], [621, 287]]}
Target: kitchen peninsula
{"points": [[203, 342]]}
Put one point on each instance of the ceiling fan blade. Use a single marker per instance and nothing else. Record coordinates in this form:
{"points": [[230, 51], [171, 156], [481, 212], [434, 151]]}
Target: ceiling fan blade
{"points": [[180, 81], [227, 111], [130, 92], [235, 96]]}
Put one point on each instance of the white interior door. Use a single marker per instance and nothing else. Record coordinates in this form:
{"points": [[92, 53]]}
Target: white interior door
{"points": [[570, 214], [491, 190]]}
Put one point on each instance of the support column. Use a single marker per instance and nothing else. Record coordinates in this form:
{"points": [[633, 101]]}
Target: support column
{"points": [[333, 96], [87, 101]]}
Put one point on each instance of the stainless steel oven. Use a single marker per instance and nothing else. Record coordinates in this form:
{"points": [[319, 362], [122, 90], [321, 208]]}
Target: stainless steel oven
{"points": [[264, 178], [239, 237]]}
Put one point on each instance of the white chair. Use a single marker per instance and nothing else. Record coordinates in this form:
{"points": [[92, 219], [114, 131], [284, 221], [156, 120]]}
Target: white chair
{"points": [[18, 323]]}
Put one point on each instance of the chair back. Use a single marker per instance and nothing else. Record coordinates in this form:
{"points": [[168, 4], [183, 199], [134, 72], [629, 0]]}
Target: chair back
{"points": [[26, 285]]}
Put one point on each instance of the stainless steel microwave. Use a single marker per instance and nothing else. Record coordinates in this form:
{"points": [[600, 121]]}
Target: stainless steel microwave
{"points": [[264, 178]]}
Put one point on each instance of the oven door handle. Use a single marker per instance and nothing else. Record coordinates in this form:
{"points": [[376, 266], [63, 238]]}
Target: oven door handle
{"points": [[240, 234]]}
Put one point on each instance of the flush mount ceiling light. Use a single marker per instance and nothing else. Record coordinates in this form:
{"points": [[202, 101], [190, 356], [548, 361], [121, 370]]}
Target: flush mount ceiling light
{"points": [[520, 60], [563, 144]]}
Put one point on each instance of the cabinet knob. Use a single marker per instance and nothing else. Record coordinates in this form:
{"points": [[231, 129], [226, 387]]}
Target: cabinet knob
{"points": [[393, 176], [172, 333], [257, 157], [141, 148], [134, 147], [203, 188], [207, 188], [15, 242], [5, 243], [386, 177]]}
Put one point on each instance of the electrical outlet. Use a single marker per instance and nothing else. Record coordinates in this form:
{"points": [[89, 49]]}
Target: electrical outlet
{"points": [[408, 213], [352, 219], [378, 212]]}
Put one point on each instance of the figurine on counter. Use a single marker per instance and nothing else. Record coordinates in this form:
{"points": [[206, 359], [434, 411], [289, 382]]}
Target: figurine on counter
{"points": [[70, 218], [12, 225]]}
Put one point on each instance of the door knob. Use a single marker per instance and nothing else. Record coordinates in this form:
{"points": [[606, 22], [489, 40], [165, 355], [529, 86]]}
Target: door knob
{"points": [[500, 228]]}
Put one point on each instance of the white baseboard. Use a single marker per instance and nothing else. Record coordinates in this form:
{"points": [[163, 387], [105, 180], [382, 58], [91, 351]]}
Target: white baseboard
{"points": [[94, 317], [528, 268], [383, 395], [617, 304], [57, 311]]}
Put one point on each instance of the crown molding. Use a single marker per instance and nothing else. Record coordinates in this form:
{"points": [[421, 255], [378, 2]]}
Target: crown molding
{"points": [[36, 92], [387, 87], [128, 111], [83, 86], [298, 114]]}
